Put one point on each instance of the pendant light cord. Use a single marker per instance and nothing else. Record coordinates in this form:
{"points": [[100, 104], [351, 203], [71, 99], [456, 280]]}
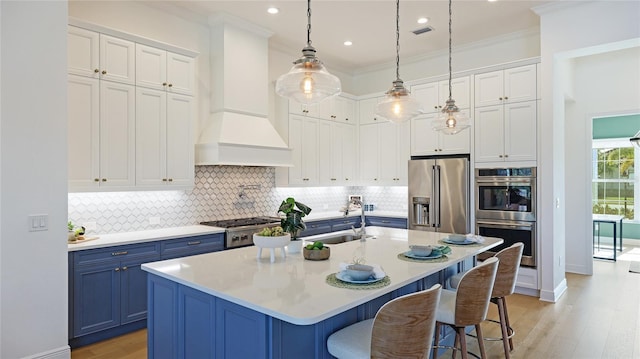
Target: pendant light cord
{"points": [[397, 39], [449, 49], [308, 22]]}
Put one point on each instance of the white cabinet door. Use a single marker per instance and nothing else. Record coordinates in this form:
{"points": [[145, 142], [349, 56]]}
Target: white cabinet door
{"points": [[326, 138], [349, 154], [520, 131], [388, 147], [151, 135], [117, 134], [303, 140], [489, 88], [117, 60], [180, 74], [428, 96], [460, 90], [520, 84], [367, 111], [327, 109], [404, 153], [460, 143], [180, 142], [297, 108], [151, 67], [83, 96], [345, 110], [368, 152], [424, 139], [83, 52], [489, 134]]}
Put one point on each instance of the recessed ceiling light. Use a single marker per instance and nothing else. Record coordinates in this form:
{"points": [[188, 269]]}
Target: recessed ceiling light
{"points": [[492, 0], [423, 20], [273, 10], [348, 43]]}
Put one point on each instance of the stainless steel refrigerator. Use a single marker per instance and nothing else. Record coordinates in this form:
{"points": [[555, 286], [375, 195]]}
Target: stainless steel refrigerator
{"points": [[439, 194]]}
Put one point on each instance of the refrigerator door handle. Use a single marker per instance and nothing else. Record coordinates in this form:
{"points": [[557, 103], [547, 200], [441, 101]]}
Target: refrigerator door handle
{"points": [[436, 195]]}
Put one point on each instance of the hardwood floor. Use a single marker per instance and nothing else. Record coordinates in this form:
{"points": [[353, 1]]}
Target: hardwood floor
{"points": [[598, 317]]}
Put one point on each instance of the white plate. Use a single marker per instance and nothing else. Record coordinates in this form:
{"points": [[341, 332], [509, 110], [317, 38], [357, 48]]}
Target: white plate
{"points": [[451, 241], [345, 278], [433, 255]]}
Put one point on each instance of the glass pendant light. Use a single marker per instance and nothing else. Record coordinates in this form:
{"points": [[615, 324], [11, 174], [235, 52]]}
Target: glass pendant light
{"points": [[308, 81], [635, 140], [398, 105], [451, 121]]}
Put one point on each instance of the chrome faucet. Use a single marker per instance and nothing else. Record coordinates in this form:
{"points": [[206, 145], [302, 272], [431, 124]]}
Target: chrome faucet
{"points": [[359, 232]]}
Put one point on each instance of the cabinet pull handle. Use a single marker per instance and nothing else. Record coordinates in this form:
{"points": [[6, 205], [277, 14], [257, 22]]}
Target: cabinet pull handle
{"points": [[96, 70], [117, 269], [104, 72], [124, 268], [164, 180], [333, 179], [383, 221], [96, 180], [193, 243], [119, 253], [170, 179], [164, 84], [170, 85], [104, 180]]}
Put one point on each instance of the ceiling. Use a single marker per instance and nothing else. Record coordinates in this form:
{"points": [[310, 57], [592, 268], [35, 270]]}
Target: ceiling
{"points": [[370, 25]]}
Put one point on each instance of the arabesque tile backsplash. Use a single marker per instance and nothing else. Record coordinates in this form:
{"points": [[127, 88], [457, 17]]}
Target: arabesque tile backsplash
{"points": [[218, 194]]}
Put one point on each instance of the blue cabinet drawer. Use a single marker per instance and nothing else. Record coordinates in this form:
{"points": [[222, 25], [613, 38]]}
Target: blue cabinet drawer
{"points": [[387, 222], [345, 223], [316, 227], [100, 255], [192, 245]]}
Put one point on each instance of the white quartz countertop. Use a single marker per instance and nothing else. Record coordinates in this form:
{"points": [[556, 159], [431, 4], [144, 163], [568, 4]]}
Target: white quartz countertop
{"points": [[294, 289], [318, 216], [116, 239]]}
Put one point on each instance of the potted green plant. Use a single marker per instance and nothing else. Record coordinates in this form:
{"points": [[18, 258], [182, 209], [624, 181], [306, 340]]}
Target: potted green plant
{"points": [[291, 221]]}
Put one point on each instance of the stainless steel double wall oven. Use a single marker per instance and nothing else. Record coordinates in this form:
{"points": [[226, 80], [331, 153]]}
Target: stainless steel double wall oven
{"points": [[506, 208]]}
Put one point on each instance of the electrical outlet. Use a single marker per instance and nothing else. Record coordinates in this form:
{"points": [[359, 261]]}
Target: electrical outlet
{"points": [[154, 220]]}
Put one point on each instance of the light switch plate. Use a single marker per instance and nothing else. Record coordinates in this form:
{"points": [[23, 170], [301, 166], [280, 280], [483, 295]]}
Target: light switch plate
{"points": [[38, 222]]}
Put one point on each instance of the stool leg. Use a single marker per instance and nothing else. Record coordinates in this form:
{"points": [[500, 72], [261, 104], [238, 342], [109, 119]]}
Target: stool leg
{"points": [[456, 344], [463, 342], [483, 353], [506, 321], [503, 327], [437, 341]]}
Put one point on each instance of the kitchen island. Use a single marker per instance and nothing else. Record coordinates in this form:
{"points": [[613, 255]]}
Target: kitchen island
{"points": [[231, 305]]}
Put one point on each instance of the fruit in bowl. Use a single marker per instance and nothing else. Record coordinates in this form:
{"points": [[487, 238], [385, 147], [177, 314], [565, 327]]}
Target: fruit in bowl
{"points": [[271, 232], [316, 251], [359, 271]]}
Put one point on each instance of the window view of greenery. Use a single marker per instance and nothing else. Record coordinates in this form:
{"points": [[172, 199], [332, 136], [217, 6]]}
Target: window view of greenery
{"points": [[613, 179]]}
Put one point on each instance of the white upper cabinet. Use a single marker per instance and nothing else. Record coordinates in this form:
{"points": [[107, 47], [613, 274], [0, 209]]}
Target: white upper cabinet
{"points": [[384, 154], [303, 141], [367, 111], [506, 133], [425, 141], [339, 109], [163, 70], [164, 140], [433, 96], [506, 86], [83, 132], [337, 163], [100, 56], [311, 110]]}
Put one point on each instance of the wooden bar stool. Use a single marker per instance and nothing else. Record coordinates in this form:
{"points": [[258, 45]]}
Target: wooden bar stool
{"points": [[505, 285], [468, 305], [402, 328]]}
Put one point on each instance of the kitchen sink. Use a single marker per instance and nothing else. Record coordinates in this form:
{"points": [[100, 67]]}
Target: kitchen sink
{"points": [[341, 238]]}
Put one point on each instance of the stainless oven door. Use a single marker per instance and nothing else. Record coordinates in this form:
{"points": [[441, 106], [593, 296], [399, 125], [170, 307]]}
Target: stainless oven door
{"points": [[511, 232], [506, 199]]}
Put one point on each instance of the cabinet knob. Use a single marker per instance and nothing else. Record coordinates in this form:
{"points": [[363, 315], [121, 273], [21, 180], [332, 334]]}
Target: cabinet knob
{"points": [[117, 269], [164, 84], [164, 180], [170, 85], [375, 179], [375, 119], [96, 180], [346, 179], [170, 179], [124, 268], [96, 70], [435, 107], [500, 156], [104, 72], [506, 98], [346, 119], [505, 156], [333, 179], [104, 180]]}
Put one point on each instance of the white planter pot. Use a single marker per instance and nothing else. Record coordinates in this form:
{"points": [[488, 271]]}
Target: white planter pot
{"points": [[295, 246], [271, 243]]}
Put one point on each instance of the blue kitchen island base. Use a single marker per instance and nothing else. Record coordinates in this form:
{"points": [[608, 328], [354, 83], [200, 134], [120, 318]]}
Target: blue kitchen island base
{"points": [[186, 323]]}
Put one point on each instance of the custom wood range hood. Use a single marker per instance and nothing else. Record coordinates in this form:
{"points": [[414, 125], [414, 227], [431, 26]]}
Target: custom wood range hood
{"points": [[238, 131]]}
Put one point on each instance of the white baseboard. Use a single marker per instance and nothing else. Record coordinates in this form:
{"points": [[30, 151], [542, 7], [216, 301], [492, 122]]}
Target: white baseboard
{"points": [[58, 353], [553, 296], [577, 269], [527, 291]]}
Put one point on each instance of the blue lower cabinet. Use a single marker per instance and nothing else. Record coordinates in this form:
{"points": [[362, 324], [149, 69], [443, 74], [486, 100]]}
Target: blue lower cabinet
{"points": [[386, 222], [108, 288], [345, 223], [316, 227]]}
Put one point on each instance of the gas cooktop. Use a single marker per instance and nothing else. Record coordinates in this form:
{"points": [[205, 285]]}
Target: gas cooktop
{"points": [[241, 222]]}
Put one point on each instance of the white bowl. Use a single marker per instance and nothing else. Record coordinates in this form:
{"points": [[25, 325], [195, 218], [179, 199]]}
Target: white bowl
{"points": [[359, 271], [421, 251], [271, 242], [457, 237]]}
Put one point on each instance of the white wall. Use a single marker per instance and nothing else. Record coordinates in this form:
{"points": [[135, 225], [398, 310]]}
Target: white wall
{"points": [[603, 84], [33, 168], [591, 24]]}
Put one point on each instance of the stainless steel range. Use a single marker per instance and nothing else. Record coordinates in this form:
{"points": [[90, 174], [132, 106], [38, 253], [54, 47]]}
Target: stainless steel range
{"points": [[239, 232]]}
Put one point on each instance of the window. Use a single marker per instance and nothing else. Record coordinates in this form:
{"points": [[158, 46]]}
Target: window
{"points": [[616, 188]]}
